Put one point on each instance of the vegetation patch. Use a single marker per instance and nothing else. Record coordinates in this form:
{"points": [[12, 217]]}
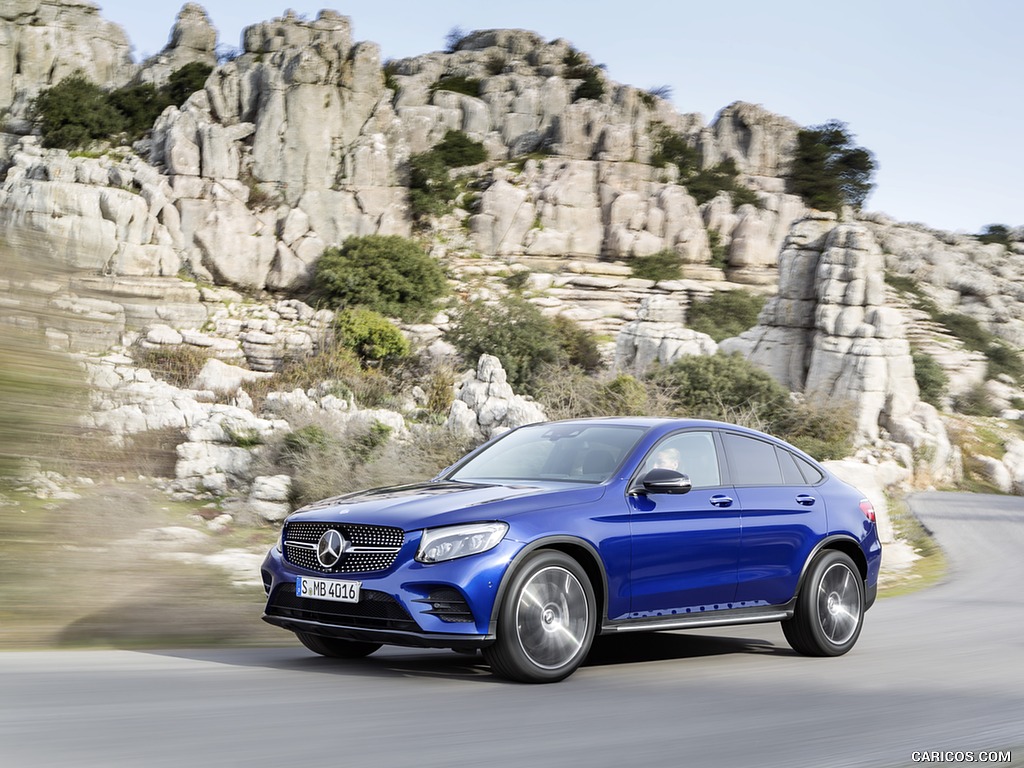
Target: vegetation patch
{"points": [[370, 335], [932, 381], [725, 313], [468, 86], [177, 364], [703, 184], [828, 170], [578, 67], [388, 274], [522, 338], [76, 111], [663, 265], [432, 189]]}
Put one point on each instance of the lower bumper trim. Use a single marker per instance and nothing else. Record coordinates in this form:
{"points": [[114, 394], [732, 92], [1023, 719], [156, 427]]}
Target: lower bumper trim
{"points": [[386, 636]]}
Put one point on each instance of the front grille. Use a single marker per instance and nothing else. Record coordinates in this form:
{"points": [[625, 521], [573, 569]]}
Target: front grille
{"points": [[370, 547], [375, 610], [448, 605]]}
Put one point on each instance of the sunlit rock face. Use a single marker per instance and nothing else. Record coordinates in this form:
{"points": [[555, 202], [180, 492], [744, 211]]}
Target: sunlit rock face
{"points": [[44, 41]]}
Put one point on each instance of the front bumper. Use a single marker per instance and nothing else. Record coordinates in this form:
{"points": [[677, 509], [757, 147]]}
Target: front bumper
{"points": [[441, 605]]}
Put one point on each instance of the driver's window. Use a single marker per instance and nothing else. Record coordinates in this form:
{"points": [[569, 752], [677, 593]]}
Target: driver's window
{"points": [[692, 453]]}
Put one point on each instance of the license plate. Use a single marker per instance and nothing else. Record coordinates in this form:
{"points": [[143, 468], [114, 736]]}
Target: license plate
{"points": [[327, 589]]}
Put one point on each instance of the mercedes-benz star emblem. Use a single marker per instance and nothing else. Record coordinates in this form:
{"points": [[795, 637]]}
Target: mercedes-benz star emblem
{"points": [[330, 548]]}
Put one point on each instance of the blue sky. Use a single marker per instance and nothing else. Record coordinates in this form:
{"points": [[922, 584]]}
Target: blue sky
{"points": [[932, 87]]}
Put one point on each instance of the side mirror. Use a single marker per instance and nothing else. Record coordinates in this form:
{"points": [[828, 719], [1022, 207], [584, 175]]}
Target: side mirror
{"points": [[665, 481]]}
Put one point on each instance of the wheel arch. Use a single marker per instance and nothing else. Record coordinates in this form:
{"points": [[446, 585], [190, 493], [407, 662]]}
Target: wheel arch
{"points": [[583, 552], [841, 543]]}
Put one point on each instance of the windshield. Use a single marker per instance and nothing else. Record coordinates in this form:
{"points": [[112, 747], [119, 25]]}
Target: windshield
{"points": [[578, 453]]}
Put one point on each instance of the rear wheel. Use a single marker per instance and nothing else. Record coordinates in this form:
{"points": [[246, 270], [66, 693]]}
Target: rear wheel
{"points": [[546, 621], [830, 608], [336, 648]]}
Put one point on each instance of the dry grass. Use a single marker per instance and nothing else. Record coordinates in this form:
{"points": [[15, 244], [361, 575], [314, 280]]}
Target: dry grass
{"points": [[92, 572]]}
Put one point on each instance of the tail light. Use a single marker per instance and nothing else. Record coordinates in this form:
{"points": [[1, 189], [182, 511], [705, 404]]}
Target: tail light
{"points": [[868, 509]]}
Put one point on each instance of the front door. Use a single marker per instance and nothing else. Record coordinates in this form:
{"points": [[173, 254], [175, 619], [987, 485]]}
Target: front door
{"points": [[685, 547]]}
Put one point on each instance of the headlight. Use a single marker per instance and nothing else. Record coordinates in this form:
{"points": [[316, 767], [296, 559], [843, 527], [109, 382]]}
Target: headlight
{"points": [[279, 547], [440, 544]]}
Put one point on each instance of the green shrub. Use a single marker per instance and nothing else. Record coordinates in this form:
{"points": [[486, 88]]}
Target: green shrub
{"points": [[703, 184], [571, 393], [931, 379], [672, 147], [663, 265], [185, 81], [522, 338], [1004, 361], [995, 233], [742, 195], [828, 171], [725, 313], [725, 387], [298, 446], [139, 105], [370, 335], [386, 273], [468, 86], [719, 252], [822, 430], [592, 86], [456, 150], [578, 345], [513, 330], [74, 113], [431, 188], [367, 443], [453, 39]]}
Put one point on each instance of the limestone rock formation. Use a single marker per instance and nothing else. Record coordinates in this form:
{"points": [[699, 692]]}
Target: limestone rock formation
{"points": [[485, 404], [193, 39], [658, 336], [829, 335], [44, 41]]}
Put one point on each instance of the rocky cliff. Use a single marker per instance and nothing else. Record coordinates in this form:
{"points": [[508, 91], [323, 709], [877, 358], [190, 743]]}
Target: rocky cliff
{"points": [[304, 139]]}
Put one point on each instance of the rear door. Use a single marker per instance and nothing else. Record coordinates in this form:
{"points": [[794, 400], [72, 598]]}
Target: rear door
{"points": [[783, 518]]}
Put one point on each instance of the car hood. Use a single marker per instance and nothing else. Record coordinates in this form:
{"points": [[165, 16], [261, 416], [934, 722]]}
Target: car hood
{"points": [[428, 505]]}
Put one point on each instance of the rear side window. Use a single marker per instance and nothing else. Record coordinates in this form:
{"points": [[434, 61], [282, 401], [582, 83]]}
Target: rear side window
{"points": [[752, 462], [790, 471], [810, 472]]}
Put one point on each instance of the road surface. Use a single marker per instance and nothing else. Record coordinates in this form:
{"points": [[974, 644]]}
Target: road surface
{"points": [[939, 670]]}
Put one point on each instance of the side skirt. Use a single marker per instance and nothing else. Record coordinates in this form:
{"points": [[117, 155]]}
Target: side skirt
{"points": [[758, 615]]}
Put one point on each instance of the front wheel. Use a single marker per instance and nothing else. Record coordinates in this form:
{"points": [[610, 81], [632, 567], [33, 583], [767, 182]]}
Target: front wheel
{"points": [[829, 609], [546, 621], [336, 648]]}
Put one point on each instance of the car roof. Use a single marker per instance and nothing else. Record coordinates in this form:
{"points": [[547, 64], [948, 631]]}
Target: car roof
{"points": [[662, 426]]}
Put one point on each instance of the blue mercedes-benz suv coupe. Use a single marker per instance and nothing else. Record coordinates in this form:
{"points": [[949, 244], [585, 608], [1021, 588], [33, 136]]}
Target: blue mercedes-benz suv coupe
{"points": [[554, 533]]}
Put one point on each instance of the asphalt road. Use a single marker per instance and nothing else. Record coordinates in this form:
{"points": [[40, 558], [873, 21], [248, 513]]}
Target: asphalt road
{"points": [[935, 671]]}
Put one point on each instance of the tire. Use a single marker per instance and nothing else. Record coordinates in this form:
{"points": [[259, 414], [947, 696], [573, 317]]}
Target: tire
{"points": [[546, 621], [829, 609], [336, 648]]}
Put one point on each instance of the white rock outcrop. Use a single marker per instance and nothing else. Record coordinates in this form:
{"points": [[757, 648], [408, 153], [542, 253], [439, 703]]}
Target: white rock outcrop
{"points": [[485, 404]]}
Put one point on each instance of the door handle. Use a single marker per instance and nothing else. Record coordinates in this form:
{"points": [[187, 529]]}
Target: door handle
{"points": [[805, 499], [721, 501]]}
